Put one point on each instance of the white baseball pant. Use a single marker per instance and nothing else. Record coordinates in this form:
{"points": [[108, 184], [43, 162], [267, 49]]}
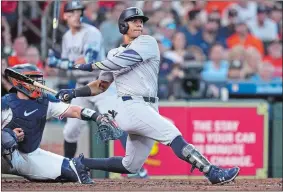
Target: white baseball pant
{"points": [[145, 125], [38, 165]]}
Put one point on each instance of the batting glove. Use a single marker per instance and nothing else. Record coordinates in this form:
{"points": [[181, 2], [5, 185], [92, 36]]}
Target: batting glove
{"points": [[52, 60], [66, 95], [55, 62], [84, 67]]}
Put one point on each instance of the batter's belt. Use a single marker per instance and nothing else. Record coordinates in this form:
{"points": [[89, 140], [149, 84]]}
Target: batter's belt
{"points": [[146, 99]]}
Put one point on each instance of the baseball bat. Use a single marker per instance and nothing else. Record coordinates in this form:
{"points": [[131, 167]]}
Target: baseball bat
{"points": [[14, 74], [56, 12]]}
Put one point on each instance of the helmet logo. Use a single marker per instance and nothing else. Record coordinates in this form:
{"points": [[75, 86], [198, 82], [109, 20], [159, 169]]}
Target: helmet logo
{"points": [[75, 3]]}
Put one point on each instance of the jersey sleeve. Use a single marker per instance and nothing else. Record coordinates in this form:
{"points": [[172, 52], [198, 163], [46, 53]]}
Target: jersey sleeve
{"points": [[145, 46], [6, 113], [57, 109], [93, 47], [106, 76]]}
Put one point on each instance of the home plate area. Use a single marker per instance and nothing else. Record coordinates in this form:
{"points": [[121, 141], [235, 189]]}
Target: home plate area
{"points": [[20, 184]]}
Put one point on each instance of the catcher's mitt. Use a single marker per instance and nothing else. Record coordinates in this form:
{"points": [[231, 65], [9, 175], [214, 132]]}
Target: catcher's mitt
{"points": [[107, 127]]}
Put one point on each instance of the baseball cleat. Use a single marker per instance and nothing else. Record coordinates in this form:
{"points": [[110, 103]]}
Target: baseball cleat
{"points": [[81, 170], [218, 175], [142, 174]]}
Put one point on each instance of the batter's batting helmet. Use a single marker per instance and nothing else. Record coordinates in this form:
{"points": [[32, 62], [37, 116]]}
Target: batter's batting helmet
{"points": [[128, 14], [73, 5]]}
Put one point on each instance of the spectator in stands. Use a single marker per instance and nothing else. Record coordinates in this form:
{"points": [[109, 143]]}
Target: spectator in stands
{"points": [[209, 36], [266, 74], [216, 68], [192, 29], [90, 13], [276, 15], [274, 56], [202, 5], [197, 54], [164, 70], [153, 22], [20, 46], [244, 38], [236, 59], [167, 27], [177, 52], [109, 28], [262, 27], [228, 26], [175, 78], [217, 5], [253, 61], [5, 85], [33, 57], [6, 43], [246, 9], [9, 11]]}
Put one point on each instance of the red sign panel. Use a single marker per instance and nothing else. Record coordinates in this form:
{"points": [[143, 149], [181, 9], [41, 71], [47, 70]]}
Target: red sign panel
{"points": [[227, 136]]}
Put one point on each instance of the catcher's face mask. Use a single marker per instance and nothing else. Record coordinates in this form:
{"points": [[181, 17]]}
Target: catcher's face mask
{"points": [[25, 88]]}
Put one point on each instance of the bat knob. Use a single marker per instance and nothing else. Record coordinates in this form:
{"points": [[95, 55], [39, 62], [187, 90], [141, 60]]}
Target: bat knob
{"points": [[66, 97]]}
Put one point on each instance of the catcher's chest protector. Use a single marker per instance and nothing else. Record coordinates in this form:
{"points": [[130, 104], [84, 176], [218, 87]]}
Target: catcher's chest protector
{"points": [[30, 115]]}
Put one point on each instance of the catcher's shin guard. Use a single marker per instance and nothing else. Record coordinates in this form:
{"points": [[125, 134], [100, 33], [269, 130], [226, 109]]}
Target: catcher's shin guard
{"points": [[196, 159]]}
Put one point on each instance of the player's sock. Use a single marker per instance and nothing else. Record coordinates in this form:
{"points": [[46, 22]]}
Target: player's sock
{"points": [[112, 164], [70, 149], [190, 154]]}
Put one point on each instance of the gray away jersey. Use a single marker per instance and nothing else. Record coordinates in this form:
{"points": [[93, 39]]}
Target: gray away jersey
{"points": [[138, 65], [78, 45]]}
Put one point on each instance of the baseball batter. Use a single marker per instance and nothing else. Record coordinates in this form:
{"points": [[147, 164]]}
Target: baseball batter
{"points": [[24, 113], [134, 68]]}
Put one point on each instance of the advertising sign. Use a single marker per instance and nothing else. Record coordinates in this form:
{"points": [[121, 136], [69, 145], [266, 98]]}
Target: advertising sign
{"points": [[228, 134]]}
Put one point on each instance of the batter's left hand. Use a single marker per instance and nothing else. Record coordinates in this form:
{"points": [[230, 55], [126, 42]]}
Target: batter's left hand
{"points": [[66, 95]]}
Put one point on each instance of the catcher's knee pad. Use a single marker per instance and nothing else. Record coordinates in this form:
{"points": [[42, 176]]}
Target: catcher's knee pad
{"points": [[197, 160], [67, 173]]}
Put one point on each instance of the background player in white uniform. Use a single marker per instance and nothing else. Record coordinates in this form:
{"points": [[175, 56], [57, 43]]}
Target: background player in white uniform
{"points": [[83, 42], [25, 111], [134, 68]]}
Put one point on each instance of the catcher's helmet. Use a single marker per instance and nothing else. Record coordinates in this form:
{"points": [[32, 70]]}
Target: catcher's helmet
{"points": [[31, 71], [128, 14], [73, 5]]}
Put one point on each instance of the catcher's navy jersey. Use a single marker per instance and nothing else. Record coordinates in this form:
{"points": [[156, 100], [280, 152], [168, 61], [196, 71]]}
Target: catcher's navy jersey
{"points": [[30, 115]]}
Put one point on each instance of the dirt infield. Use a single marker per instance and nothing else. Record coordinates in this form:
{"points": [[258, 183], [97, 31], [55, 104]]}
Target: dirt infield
{"points": [[12, 184]]}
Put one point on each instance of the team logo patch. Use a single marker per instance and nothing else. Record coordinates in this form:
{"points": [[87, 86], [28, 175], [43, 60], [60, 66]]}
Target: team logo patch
{"points": [[138, 12], [75, 3]]}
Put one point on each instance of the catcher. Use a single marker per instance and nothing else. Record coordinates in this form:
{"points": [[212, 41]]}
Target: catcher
{"points": [[24, 113]]}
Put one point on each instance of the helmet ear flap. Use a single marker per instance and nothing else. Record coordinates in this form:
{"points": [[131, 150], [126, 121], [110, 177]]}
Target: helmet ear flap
{"points": [[124, 27]]}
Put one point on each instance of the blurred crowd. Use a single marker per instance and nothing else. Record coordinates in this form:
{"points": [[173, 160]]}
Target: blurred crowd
{"points": [[203, 44]]}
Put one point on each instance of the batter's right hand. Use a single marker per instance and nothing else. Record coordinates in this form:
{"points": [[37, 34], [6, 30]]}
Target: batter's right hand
{"points": [[66, 95]]}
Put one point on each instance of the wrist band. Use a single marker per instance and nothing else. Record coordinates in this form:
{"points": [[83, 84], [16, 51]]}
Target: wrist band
{"points": [[83, 91]]}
